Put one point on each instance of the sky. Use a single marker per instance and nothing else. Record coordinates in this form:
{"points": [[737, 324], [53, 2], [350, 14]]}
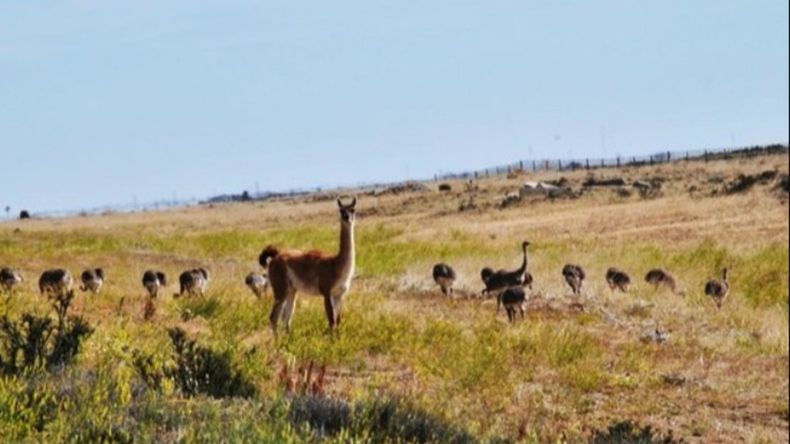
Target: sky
{"points": [[109, 102]]}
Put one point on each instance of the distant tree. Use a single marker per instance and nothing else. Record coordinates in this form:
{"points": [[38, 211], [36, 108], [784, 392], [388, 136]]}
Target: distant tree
{"points": [[24, 214], [245, 196], [7, 211]]}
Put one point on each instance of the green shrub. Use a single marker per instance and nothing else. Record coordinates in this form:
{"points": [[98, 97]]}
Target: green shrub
{"points": [[39, 342], [626, 432], [196, 370]]}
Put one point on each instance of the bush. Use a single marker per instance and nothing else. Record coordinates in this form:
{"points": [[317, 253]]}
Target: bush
{"points": [[381, 420], [197, 370], [36, 342], [626, 432], [745, 182]]}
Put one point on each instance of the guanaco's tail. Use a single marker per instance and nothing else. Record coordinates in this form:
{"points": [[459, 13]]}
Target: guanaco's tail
{"points": [[268, 253]]}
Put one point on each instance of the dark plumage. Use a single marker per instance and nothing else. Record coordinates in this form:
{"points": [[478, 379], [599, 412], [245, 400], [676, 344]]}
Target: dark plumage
{"points": [[658, 277], [10, 278], [55, 282], [718, 290], [444, 276], [617, 279], [153, 281], [513, 298], [498, 280], [193, 281], [574, 276], [92, 280]]}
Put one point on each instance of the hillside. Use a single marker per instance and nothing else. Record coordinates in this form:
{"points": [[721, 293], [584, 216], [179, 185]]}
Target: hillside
{"points": [[570, 370]]}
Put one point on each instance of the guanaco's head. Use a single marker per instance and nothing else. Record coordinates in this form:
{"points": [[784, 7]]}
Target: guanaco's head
{"points": [[726, 274], [525, 244], [347, 212]]}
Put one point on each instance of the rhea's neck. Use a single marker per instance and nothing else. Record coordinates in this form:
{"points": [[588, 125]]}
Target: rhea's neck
{"points": [[524, 262]]}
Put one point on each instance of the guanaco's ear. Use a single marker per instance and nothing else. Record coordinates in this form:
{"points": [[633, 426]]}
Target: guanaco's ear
{"points": [[351, 205]]}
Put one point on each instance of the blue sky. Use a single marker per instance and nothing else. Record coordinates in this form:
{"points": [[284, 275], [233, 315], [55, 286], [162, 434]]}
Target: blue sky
{"points": [[102, 102]]}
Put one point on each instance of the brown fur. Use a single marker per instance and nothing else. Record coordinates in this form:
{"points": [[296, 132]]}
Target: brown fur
{"points": [[312, 272]]}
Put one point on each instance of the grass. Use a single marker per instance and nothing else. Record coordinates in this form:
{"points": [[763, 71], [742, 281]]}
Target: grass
{"points": [[406, 353]]}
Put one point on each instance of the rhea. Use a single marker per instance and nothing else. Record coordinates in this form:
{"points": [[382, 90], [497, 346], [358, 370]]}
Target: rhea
{"points": [[718, 290], [574, 276], [514, 298], [154, 280], [258, 283], [444, 276], [192, 282], [617, 279], [92, 280], [498, 280], [10, 278], [55, 282], [659, 277], [313, 272]]}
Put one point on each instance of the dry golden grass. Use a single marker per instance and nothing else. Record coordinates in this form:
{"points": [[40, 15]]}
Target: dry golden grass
{"points": [[572, 366]]}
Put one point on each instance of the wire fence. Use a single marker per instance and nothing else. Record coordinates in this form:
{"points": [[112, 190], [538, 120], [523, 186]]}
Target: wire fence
{"points": [[518, 166], [591, 163]]}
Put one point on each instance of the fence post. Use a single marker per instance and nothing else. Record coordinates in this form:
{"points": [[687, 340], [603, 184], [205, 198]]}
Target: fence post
{"points": [[547, 164], [706, 156], [601, 162], [533, 166], [687, 156], [587, 163], [669, 157], [521, 165], [618, 161], [559, 165]]}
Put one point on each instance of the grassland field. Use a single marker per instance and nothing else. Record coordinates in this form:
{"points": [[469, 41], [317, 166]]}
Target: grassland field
{"points": [[452, 368]]}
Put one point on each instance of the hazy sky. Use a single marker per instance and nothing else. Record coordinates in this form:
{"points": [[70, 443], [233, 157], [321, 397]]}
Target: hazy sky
{"points": [[102, 101]]}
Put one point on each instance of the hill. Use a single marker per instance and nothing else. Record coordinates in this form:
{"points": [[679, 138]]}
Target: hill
{"points": [[409, 362]]}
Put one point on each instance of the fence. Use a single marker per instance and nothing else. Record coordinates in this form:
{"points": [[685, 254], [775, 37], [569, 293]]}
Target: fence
{"points": [[619, 161]]}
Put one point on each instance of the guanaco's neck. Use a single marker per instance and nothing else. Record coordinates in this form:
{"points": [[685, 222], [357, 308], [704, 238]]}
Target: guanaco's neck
{"points": [[345, 258]]}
